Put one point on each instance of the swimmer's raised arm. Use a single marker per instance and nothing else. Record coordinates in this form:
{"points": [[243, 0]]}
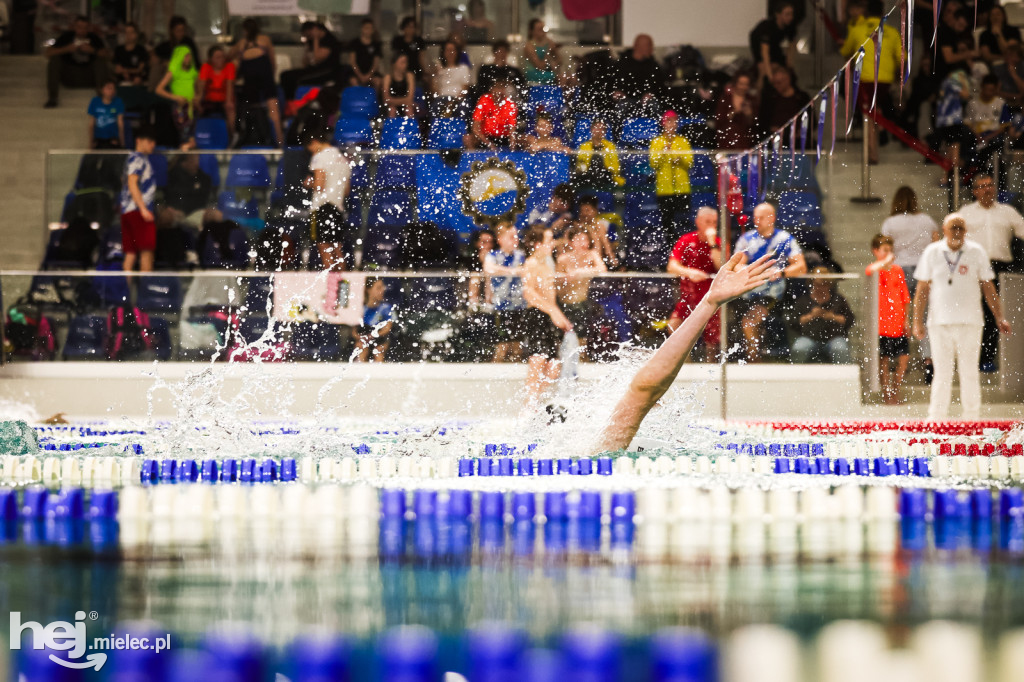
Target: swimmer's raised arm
{"points": [[656, 376]]}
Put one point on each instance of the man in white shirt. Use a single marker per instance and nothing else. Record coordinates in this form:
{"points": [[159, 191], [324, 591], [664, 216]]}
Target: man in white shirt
{"points": [[948, 277], [329, 179], [992, 225]]}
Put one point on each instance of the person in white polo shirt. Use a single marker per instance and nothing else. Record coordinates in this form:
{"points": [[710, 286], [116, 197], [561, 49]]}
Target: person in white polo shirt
{"points": [[948, 278], [993, 226]]}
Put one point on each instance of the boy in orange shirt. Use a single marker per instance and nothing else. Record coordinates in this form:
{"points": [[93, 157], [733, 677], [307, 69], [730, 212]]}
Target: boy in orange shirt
{"points": [[893, 301]]}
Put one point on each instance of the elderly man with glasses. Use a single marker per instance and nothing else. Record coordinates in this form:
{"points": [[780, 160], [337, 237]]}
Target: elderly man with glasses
{"points": [[992, 225]]}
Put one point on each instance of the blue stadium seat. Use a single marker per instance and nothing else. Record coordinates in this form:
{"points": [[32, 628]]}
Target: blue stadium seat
{"points": [[784, 173], [161, 294], [159, 164], [648, 249], [208, 164], [160, 337], [293, 167], [400, 133], [237, 209], [605, 202], [248, 170], [358, 102], [651, 299], [702, 173], [382, 246], [641, 210], [446, 133], [257, 294], [427, 294], [315, 341], [799, 209], [547, 98], [699, 199], [353, 130], [112, 290], [252, 328], [211, 133], [360, 174], [637, 133], [86, 338], [389, 213], [581, 131]]}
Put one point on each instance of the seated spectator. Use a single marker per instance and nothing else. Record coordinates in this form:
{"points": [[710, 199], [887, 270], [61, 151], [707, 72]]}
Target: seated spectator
{"points": [[77, 59], [736, 115], [781, 100], [189, 190], [131, 60], [480, 245], [696, 257], [755, 307], [494, 120], [178, 34], [988, 116], [373, 336], [768, 37], [579, 262], [452, 80], [599, 229], [954, 49], [597, 162], [176, 239], [410, 43], [639, 77], [500, 70], [216, 86], [542, 56], [998, 36], [558, 215], [949, 116], [1011, 76], [223, 245], [106, 118], [399, 87], [179, 87], [823, 320], [257, 64], [671, 157], [321, 60], [365, 57], [476, 27], [542, 139]]}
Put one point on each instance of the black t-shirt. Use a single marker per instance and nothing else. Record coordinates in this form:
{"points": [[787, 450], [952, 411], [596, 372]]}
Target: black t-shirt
{"points": [[946, 37], [776, 110], [820, 329], [78, 57], [133, 58], [639, 77], [365, 54], [991, 41], [165, 49], [768, 33], [489, 74], [412, 50], [330, 42]]}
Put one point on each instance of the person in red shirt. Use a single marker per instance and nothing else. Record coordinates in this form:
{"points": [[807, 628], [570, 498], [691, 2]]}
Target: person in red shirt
{"points": [[494, 120], [216, 86], [695, 258], [893, 300]]}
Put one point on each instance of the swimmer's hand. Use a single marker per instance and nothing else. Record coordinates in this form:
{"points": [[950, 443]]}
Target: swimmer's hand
{"points": [[736, 279]]}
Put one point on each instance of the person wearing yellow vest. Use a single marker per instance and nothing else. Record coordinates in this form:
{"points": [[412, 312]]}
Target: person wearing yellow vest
{"points": [[671, 158], [862, 32]]}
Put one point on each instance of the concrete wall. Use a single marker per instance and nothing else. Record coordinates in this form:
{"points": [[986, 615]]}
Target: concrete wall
{"points": [[709, 23]]}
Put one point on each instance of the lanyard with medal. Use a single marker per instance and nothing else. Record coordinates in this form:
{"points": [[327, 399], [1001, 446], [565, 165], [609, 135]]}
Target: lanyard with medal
{"points": [[952, 265]]}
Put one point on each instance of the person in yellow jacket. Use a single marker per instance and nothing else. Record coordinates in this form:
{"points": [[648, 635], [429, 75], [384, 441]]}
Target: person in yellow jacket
{"points": [[862, 32], [597, 162], [671, 158]]}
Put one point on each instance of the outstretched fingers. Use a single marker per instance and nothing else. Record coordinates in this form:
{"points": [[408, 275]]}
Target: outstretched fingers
{"points": [[762, 265], [734, 262]]}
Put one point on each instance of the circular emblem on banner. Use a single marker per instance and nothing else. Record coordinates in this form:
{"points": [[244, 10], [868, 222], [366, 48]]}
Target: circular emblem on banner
{"points": [[493, 191]]}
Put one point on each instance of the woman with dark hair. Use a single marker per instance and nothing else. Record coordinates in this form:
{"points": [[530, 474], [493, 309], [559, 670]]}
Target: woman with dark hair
{"points": [[398, 87], [910, 230], [452, 80], [997, 36], [736, 114], [365, 57], [256, 67], [542, 57]]}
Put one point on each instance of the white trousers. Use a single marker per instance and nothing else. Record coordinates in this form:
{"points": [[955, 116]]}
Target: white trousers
{"points": [[959, 343]]}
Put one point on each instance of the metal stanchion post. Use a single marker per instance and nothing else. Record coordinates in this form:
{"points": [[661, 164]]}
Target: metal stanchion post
{"points": [[723, 321], [955, 184], [865, 170]]}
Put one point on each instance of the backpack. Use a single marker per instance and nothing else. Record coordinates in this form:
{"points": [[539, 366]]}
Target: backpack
{"points": [[128, 333], [90, 206], [29, 334]]}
